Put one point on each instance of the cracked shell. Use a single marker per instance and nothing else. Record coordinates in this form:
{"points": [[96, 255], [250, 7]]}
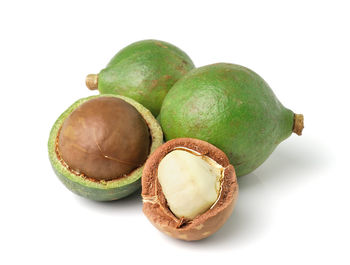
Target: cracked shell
{"points": [[155, 205]]}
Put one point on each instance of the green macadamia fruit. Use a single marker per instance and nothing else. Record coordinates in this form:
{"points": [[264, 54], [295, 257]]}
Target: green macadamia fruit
{"points": [[144, 71], [231, 107]]}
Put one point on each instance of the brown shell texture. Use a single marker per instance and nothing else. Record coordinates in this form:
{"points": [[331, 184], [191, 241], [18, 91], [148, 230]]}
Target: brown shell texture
{"points": [[104, 138], [155, 205]]}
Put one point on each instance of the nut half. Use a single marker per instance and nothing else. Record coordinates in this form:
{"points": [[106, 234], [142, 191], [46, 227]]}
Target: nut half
{"points": [[177, 200], [86, 185]]}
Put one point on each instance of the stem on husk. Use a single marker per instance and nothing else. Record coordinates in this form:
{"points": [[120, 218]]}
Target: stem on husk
{"points": [[91, 81], [298, 125]]}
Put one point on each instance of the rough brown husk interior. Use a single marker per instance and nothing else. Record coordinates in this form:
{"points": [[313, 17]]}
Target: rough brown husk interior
{"points": [[155, 205]]}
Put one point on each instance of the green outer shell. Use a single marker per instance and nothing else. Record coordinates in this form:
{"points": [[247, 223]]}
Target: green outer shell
{"points": [[145, 71], [103, 190], [230, 107]]}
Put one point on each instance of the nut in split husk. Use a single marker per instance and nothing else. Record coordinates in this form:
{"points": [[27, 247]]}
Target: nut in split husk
{"points": [[189, 189], [98, 146], [104, 138]]}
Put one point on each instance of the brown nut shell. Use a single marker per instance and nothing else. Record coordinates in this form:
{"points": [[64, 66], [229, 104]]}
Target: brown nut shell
{"points": [[155, 205], [104, 138]]}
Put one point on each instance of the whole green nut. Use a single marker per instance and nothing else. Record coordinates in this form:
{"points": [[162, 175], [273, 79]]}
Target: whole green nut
{"points": [[144, 71], [231, 107]]}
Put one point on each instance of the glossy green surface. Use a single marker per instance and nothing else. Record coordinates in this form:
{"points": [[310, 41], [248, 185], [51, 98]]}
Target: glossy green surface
{"points": [[145, 71], [102, 190], [231, 107]]}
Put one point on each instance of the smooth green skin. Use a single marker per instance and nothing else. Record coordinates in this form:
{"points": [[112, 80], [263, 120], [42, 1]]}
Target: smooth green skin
{"points": [[230, 107], [145, 71], [103, 190]]}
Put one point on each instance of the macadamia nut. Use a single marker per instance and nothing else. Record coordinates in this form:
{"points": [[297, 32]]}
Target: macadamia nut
{"points": [[191, 182]]}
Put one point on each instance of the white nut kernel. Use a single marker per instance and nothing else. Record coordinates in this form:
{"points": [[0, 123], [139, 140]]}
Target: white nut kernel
{"points": [[191, 182]]}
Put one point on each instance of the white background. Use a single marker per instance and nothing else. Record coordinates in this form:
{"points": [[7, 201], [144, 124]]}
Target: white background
{"points": [[294, 209]]}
